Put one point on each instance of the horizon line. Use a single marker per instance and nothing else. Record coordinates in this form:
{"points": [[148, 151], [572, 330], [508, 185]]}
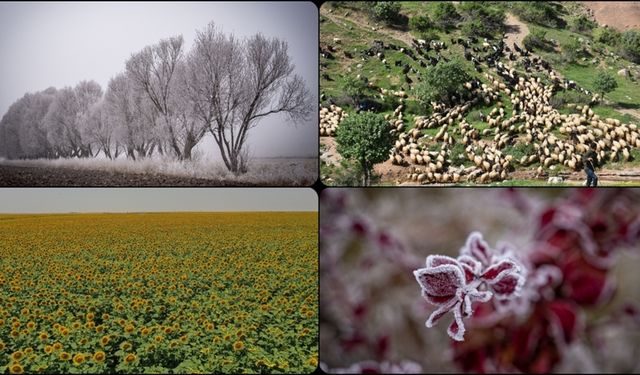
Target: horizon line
{"points": [[151, 212]]}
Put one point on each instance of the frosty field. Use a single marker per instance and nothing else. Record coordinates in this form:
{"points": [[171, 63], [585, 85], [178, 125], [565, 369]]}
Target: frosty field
{"points": [[159, 293]]}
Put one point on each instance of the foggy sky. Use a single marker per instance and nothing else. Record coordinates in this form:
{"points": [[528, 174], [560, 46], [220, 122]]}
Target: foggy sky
{"points": [[49, 200], [60, 44]]}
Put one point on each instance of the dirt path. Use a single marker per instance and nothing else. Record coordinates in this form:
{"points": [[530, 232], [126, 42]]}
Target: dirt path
{"points": [[27, 176], [516, 30], [363, 22], [621, 15]]}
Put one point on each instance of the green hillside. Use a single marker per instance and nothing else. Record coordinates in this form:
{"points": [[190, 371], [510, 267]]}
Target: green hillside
{"points": [[540, 104]]}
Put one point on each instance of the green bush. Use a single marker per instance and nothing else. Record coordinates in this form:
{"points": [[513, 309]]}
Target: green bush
{"points": [[354, 88], [538, 12], [606, 35], [583, 25], [482, 19], [365, 139], [420, 24], [386, 11], [536, 40], [630, 45], [605, 82], [445, 16], [442, 82], [347, 173], [429, 35], [571, 50]]}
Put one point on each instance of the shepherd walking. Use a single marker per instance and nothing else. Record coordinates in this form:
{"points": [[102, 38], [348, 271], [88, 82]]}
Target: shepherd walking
{"points": [[589, 161]]}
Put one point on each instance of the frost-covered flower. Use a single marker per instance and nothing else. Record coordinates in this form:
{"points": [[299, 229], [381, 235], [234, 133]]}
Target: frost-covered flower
{"points": [[475, 276]]}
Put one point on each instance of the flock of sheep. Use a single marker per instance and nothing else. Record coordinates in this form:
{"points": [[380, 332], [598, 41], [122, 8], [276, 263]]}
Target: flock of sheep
{"points": [[533, 121]]}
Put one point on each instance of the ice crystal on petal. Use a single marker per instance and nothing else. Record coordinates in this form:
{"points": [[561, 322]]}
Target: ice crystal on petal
{"points": [[477, 275]]}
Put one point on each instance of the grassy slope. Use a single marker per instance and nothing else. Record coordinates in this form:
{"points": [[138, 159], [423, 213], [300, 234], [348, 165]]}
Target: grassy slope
{"points": [[355, 37]]}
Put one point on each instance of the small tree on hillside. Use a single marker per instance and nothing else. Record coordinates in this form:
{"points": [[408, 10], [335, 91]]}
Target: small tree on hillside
{"points": [[445, 15], [386, 11], [605, 82], [364, 138], [354, 88], [442, 82]]}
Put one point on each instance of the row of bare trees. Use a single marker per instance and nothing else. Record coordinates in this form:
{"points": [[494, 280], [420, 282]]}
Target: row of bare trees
{"points": [[165, 102]]}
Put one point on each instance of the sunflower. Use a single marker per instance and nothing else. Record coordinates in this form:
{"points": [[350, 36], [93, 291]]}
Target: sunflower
{"points": [[238, 345], [48, 349], [64, 332], [75, 325], [64, 356], [227, 337], [15, 334], [104, 340], [209, 326], [173, 344], [99, 356], [57, 346], [99, 328], [78, 359], [90, 316], [16, 368], [144, 331], [313, 361], [168, 330], [129, 328], [83, 341], [16, 356], [15, 324], [129, 358], [90, 324], [27, 350], [125, 345], [158, 338], [2, 346], [105, 317], [43, 336]]}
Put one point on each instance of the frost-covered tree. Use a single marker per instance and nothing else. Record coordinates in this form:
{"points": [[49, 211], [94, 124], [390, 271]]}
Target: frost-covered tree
{"points": [[154, 70], [131, 115], [239, 84], [66, 117]]}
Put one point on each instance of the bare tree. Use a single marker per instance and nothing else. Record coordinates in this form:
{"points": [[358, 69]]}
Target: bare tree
{"points": [[99, 128], [131, 115], [237, 84], [155, 70]]}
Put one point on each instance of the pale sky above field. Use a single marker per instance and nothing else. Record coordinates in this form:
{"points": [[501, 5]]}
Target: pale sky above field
{"points": [[60, 44], [50, 200]]}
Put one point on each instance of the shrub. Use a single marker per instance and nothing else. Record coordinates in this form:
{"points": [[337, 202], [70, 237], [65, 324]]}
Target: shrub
{"points": [[583, 25], [482, 19], [354, 88], [442, 82], [606, 35], [420, 24], [605, 82], [536, 40], [630, 45], [386, 11], [365, 139], [571, 49], [445, 15], [538, 12]]}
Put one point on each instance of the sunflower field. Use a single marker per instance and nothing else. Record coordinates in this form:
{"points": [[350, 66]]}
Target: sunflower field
{"points": [[159, 293]]}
